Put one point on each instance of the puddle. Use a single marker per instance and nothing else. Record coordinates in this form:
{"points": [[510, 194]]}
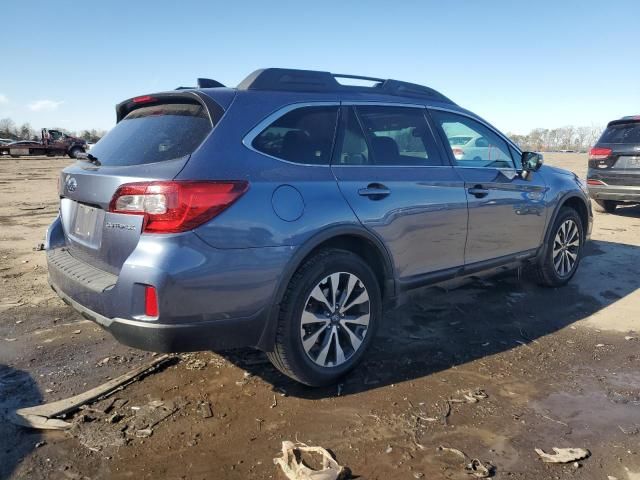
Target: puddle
{"points": [[593, 413]]}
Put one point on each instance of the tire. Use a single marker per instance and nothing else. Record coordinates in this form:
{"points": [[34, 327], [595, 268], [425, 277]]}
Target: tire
{"points": [[608, 206], [552, 270], [74, 152], [317, 361]]}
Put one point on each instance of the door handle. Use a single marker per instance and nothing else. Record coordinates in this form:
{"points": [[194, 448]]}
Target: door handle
{"points": [[478, 192], [375, 191]]}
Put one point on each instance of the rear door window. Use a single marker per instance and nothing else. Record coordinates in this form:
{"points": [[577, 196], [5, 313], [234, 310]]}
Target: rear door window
{"points": [[304, 135], [154, 134], [621, 133], [397, 136]]}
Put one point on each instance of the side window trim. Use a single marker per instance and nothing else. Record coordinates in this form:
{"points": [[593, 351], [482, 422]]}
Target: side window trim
{"points": [[517, 161], [250, 136], [440, 140], [443, 138]]}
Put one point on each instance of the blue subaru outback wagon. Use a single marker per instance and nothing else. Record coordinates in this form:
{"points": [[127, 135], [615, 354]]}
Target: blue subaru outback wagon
{"points": [[285, 213]]}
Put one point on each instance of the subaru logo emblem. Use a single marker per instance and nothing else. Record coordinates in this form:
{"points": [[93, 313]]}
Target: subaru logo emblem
{"points": [[71, 184]]}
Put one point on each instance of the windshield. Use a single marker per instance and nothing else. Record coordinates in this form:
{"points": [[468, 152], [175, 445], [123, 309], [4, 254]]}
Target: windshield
{"points": [[154, 134]]}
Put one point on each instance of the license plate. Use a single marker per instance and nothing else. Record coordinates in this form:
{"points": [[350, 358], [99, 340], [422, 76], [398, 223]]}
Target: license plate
{"points": [[633, 162], [85, 223]]}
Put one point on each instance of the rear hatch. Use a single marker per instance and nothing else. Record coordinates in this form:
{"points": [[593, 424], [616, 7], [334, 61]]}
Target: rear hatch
{"points": [[615, 160], [152, 141]]}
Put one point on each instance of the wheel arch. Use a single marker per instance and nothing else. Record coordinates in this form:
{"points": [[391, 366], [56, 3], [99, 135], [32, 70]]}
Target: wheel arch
{"points": [[574, 201], [352, 238]]}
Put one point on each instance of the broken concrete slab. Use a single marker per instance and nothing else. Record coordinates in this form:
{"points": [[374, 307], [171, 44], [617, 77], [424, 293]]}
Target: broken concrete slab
{"points": [[43, 416]]}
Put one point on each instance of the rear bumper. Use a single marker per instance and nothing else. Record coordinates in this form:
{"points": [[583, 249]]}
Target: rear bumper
{"points": [[211, 335], [209, 299], [615, 192]]}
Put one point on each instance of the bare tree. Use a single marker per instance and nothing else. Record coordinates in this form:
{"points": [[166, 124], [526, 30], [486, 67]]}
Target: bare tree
{"points": [[582, 134], [566, 135], [7, 128], [26, 132]]}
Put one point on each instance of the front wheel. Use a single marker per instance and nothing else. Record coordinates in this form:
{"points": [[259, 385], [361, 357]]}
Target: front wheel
{"points": [[328, 318], [563, 250]]}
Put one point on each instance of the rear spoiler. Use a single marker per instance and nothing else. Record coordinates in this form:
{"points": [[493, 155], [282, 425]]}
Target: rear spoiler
{"points": [[629, 119], [191, 96]]}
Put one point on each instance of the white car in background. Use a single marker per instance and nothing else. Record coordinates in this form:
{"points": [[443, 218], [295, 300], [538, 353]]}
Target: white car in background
{"points": [[470, 147]]}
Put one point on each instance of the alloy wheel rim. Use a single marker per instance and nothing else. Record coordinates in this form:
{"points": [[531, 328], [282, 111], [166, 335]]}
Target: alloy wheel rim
{"points": [[566, 246], [335, 319]]}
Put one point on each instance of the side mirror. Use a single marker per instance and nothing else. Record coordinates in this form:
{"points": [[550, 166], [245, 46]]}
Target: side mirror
{"points": [[531, 162]]}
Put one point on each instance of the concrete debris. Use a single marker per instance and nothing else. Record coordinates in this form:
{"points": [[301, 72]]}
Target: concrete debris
{"points": [[470, 396], [563, 455], [195, 364], [115, 418], [44, 416], [293, 466], [204, 409], [144, 433], [472, 466], [150, 415]]}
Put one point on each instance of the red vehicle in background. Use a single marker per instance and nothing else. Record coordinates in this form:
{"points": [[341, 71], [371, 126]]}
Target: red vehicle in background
{"points": [[52, 143]]}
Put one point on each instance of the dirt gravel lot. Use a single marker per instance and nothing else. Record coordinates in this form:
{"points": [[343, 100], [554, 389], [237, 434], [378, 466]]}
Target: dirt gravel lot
{"points": [[560, 368]]}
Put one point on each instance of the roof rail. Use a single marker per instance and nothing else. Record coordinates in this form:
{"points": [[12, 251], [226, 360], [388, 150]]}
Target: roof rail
{"points": [[204, 83], [284, 79]]}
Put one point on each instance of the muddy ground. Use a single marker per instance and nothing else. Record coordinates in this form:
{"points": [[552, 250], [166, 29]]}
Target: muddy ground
{"points": [[560, 368]]}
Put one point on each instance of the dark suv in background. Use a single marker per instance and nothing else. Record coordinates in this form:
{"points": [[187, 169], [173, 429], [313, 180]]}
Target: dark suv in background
{"points": [[614, 165], [285, 213]]}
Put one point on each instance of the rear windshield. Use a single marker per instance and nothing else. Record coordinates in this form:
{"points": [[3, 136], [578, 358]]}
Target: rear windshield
{"points": [[621, 133], [154, 134]]}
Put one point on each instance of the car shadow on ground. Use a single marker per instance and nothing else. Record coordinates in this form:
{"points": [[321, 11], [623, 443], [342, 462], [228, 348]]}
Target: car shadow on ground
{"points": [[437, 329], [17, 390]]}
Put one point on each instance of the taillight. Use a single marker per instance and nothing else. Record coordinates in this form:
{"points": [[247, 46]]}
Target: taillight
{"points": [[599, 153], [458, 152], [176, 206], [591, 181], [150, 301]]}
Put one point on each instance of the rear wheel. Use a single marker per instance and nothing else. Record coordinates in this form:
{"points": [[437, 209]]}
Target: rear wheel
{"points": [[328, 318], [75, 152], [563, 250], [608, 206]]}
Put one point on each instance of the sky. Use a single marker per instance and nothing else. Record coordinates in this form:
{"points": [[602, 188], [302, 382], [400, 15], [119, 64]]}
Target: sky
{"points": [[518, 64]]}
